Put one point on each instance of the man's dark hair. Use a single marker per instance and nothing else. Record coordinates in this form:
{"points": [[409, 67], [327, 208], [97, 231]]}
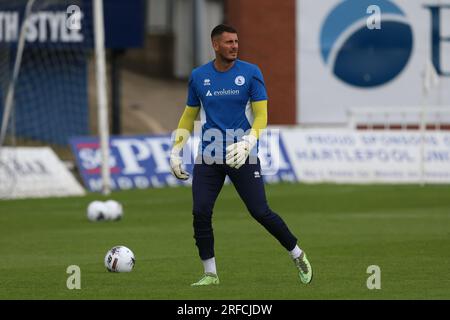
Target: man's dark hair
{"points": [[221, 28]]}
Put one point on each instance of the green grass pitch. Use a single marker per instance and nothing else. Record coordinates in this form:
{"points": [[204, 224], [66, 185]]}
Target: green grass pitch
{"points": [[405, 230]]}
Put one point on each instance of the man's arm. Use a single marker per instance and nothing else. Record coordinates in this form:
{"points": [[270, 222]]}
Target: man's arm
{"points": [[182, 133], [260, 118], [185, 127]]}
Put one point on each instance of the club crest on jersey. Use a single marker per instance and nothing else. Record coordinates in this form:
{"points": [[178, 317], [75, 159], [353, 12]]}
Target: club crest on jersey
{"points": [[239, 81], [206, 82], [257, 174]]}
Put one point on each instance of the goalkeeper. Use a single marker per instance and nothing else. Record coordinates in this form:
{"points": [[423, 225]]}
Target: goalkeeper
{"points": [[231, 96]]}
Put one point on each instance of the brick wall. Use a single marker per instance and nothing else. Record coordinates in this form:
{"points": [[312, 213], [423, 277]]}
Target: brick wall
{"points": [[266, 30]]}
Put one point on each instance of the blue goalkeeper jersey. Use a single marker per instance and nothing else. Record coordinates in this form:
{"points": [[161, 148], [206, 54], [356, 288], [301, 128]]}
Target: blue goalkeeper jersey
{"points": [[225, 101]]}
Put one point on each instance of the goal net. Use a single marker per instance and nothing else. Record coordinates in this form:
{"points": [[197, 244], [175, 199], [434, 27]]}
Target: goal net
{"points": [[45, 48]]}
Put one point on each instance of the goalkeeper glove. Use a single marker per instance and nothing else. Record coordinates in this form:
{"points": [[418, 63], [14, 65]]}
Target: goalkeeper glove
{"points": [[176, 165], [238, 152]]}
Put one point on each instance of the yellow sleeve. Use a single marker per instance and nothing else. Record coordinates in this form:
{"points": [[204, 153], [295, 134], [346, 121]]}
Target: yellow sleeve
{"points": [[260, 117], [185, 126]]}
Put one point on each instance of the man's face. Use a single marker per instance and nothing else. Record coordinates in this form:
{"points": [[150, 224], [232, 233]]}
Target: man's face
{"points": [[226, 46]]}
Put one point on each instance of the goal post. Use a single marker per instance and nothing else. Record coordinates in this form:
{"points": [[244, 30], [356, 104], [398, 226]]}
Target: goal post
{"points": [[46, 48], [12, 82], [102, 98]]}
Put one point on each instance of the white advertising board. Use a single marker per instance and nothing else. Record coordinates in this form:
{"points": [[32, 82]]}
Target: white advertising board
{"points": [[31, 172], [345, 156], [347, 59]]}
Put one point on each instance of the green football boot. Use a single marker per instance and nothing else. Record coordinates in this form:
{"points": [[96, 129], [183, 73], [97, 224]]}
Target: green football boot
{"points": [[305, 271], [207, 280]]}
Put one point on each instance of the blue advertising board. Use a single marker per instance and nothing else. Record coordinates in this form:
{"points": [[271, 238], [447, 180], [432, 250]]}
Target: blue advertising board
{"points": [[65, 22], [143, 161], [51, 94]]}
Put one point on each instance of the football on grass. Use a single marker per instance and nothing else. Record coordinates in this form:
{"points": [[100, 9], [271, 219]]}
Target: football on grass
{"points": [[114, 210], [97, 211], [119, 259]]}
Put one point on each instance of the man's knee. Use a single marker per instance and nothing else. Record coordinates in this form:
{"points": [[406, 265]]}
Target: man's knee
{"points": [[202, 218], [202, 211], [261, 212]]}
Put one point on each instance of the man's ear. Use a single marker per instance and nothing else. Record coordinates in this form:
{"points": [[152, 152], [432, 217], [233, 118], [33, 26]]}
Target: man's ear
{"points": [[215, 43]]}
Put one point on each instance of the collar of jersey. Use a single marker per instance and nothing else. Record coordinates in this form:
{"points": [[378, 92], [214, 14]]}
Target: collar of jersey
{"points": [[214, 67]]}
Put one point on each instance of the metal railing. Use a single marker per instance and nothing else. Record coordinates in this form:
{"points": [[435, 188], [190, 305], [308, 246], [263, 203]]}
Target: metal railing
{"points": [[399, 118]]}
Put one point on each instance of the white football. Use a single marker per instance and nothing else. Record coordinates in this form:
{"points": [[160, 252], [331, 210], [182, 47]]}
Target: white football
{"points": [[119, 259], [114, 210], [97, 211]]}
